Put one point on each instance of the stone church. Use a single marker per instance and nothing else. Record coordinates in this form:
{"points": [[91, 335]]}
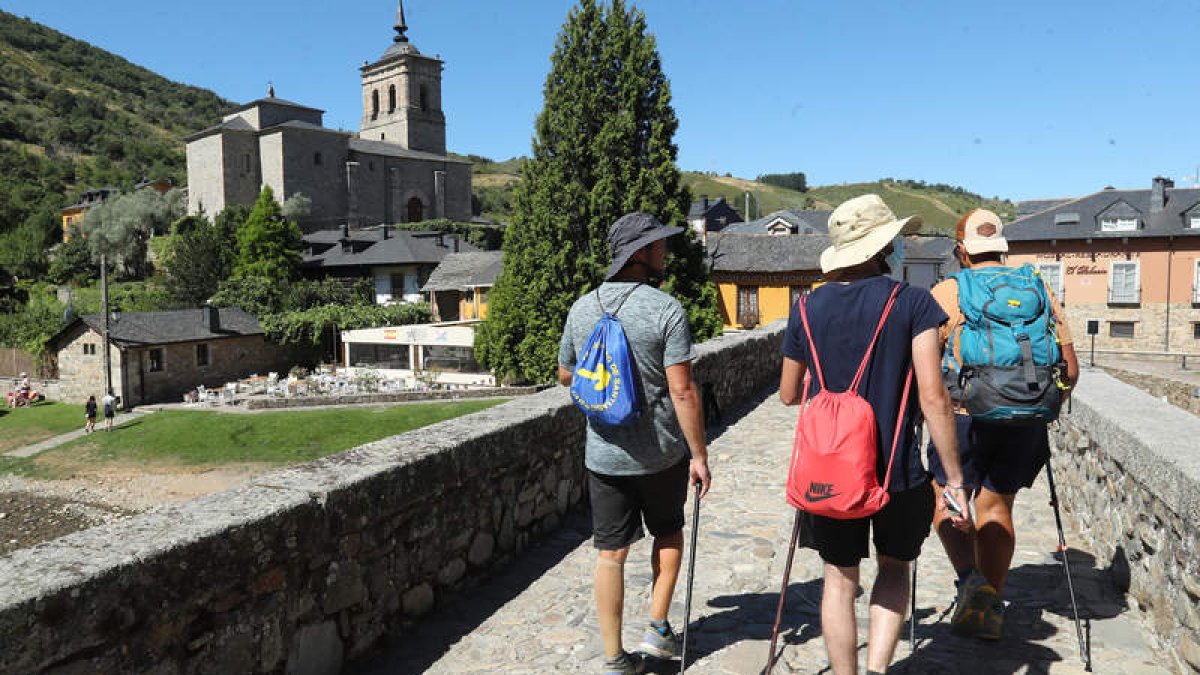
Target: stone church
{"points": [[394, 170]]}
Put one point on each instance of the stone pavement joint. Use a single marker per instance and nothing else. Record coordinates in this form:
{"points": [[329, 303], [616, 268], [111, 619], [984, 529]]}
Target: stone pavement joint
{"points": [[538, 615]]}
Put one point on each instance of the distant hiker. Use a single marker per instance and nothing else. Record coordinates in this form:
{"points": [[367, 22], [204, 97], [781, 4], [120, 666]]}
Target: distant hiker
{"points": [[997, 458], [109, 403], [842, 316], [89, 413], [639, 471]]}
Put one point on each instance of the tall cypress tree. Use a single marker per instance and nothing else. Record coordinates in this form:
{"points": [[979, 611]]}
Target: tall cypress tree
{"points": [[603, 147]]}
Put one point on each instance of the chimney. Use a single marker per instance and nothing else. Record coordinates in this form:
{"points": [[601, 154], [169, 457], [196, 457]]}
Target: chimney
{"points": [[704, 201], [213, 316], [1158, 194]]}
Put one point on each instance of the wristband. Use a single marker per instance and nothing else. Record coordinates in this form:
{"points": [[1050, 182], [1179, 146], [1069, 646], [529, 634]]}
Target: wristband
{"points": [[954, 487]]}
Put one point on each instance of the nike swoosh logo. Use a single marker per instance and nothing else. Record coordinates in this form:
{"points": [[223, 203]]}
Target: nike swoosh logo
{"points": [[819, 498]]}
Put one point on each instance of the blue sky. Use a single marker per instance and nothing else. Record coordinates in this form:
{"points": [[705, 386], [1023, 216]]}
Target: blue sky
{"points": [[1017, 99]]}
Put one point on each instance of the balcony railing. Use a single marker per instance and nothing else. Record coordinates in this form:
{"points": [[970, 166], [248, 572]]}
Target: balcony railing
{"points": [[1124, 296]]}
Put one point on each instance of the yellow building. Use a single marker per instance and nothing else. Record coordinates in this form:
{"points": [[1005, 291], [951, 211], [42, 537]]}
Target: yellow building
{"points": [[458, 288], [759, 277], [72, 216]]}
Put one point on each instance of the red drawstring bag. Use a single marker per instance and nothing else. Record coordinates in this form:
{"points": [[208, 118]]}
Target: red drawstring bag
{"points": [[832, 471]]}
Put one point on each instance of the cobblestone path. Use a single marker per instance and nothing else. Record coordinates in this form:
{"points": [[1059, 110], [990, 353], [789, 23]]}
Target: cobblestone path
{"points": [[538, 617]]}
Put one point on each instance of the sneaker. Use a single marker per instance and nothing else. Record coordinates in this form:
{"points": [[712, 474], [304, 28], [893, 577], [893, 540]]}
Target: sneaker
{"points": [[661, 643], [992, 625], [976, 598], [625, 664]]}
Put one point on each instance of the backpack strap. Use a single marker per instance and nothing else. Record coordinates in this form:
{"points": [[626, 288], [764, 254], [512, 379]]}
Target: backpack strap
{"points": [[862, 367], [812, 346], [619, 304], [887, 479]]}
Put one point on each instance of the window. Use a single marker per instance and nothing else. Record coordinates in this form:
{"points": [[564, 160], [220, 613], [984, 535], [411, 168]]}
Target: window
{"points": [[794, 295], [424, 97], [1052, 273], [201, 355], [451, 359], [1196, 331], [317, 159], [89, 350], [1120, 329], [1066, 219], [380, 356], [374, 104], [1194, 222], [1196, 283], [391, 98], [397, 282], [156, 360], [747, 306], [1114, 224], [1124, 283]]}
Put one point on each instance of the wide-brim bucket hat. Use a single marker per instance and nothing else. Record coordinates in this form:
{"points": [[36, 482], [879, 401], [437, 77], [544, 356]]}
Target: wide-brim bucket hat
{"points": [[630, 233], [860, 228]]}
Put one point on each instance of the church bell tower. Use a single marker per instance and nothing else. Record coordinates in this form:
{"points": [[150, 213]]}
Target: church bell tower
{"points": [[402, 96]]}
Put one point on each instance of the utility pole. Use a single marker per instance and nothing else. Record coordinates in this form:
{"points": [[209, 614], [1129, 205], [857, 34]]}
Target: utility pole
{"points": [[104, 322], [749, 216]]}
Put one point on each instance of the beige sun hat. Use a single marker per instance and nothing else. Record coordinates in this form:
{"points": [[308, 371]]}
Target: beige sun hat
{"points": [[981, 231], [860, 228]]}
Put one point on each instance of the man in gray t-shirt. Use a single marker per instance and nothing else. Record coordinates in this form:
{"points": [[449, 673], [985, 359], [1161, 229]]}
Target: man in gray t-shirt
{"points": [[640, 472]]}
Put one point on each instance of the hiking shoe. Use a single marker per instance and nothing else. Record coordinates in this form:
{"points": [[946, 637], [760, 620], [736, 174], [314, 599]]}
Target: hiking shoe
{"points": [[625, 664], [992, 623], [661, 643], [975, 598]]}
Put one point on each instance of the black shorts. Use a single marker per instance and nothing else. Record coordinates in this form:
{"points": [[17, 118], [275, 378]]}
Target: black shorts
{"points": [[621, 503], [898, 530], [1001, 458]]}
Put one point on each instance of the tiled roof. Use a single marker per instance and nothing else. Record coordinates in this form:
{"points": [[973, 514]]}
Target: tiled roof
{"points": [[459, 271], [806, 221], [1080, 218], [371, 249], [730, 252], [181, 325], [394, 150]]}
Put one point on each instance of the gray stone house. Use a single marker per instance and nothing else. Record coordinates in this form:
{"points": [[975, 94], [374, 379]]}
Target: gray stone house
{"points": [[394, 170], [398, 262], [158, 356]]}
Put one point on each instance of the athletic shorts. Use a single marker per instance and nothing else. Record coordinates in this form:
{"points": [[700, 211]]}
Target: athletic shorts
{"points": [[621, 503], [1001, 458], [898, 530]]}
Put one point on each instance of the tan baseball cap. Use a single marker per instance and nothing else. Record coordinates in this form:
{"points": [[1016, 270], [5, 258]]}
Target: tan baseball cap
{"points": [[980, 231]]}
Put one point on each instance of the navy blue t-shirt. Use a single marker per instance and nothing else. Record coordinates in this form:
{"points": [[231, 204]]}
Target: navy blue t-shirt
{"points": [[843, 319]]}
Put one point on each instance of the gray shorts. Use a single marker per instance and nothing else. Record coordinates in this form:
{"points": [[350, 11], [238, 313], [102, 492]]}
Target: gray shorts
{"points": [[621, 503]]}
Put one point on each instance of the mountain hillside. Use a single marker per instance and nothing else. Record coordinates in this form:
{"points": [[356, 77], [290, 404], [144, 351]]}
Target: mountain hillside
{"points": [[74, 117]]}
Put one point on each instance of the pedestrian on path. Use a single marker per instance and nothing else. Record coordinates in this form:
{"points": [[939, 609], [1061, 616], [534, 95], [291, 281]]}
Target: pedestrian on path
{"points": [[997, 459], [89, 413], [109, 403], [842, 316], [640, 472]]}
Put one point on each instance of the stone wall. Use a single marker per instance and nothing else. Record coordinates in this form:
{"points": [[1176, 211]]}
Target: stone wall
{"points": [[1129, 478], [1149, 331], [396, 397], [307, 567], [1179, 394]]}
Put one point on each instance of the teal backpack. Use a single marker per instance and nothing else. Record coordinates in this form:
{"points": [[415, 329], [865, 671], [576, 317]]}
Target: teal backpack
{"points": [[1004, 364]]}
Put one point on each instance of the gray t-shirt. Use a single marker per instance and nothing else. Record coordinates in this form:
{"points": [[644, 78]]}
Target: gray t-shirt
{"points": [[657, 329]]}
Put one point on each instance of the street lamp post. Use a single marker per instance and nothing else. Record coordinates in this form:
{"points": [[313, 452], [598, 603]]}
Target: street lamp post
{"points": [[104, 323]]}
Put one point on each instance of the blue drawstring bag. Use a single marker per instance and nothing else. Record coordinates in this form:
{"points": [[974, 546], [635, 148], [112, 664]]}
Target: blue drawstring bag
{"points": [[605, 382]]}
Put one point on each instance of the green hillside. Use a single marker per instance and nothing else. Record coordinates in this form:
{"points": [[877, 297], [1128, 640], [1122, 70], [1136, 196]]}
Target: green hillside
{"points": [[74, 117]]}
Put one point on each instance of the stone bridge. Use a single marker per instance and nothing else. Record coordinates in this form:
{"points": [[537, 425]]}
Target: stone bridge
{"points": [[460, 548]]}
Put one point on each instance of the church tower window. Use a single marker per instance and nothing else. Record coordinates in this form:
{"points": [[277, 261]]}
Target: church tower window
{"points": [[374, 104], [424, 98], [391, 98], [317, 159]]}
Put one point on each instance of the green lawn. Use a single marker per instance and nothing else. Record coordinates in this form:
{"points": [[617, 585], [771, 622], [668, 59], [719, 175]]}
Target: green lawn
{"points": [[181, 438], [23, 426]]}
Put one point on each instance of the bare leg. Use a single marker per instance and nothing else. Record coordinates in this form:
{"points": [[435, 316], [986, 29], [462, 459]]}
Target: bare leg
{"points": [[610, 598], [666, 561], [996, 539], [837, 618], [889, 605], [959, 545]]}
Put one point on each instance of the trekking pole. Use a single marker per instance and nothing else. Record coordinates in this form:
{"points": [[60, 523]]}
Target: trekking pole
{"points": [[912, 617], [687, 605], [787, 572], [1084, 653]]}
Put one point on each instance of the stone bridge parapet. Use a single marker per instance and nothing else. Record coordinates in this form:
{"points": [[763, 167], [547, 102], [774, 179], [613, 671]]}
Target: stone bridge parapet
{"points": [[312, 565], [1128, 467]]}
